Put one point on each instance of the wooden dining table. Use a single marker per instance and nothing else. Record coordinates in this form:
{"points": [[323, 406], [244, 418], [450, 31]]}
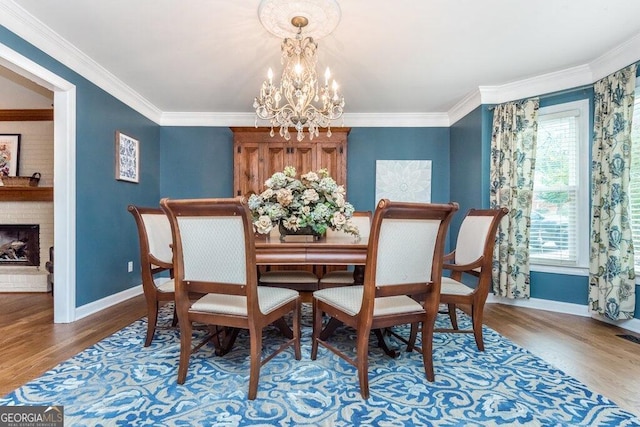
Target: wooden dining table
{"points": [[332, 249]]}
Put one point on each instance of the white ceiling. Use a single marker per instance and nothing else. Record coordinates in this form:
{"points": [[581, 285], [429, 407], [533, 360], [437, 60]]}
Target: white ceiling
{"points": [[390, 57]]}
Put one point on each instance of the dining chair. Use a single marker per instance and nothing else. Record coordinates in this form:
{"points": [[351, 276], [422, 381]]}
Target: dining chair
{"points": [[156, 261], [403, 267], [473, 255], [335, 276], [214, 254]]}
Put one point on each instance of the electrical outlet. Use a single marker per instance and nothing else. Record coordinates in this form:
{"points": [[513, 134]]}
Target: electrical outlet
{"points": [[130, 266]]}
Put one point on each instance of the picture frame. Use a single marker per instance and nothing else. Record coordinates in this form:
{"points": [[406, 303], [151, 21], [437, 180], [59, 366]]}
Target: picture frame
{"points": [[127, 158], [9, 154]]}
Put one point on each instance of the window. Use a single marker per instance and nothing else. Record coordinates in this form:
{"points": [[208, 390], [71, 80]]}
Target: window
{"points": [[634, 189], [560, 208]]}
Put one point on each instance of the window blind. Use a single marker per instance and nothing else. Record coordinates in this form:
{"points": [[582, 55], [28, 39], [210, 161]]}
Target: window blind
{"points": [[554, 213]]}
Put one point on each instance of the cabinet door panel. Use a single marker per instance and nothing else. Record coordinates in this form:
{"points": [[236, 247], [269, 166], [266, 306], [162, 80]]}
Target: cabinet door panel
{"points": [[303, 158], [332, 157], [246, 169], [276, 158]]}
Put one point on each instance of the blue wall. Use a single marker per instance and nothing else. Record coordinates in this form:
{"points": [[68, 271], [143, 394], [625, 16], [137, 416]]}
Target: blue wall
{"points": [[105, 232], [366, 145], [196, 162]]}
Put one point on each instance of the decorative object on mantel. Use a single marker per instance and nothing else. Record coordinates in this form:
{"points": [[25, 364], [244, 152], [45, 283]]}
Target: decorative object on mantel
{"points": [[304, 102], [309, 205], [127, 158], [21, 181], [9, 154]]}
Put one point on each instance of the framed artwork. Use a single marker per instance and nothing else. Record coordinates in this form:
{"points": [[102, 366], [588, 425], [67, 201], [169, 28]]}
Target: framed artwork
{"points": [[127, 158], [403, 180], [9, 154]]}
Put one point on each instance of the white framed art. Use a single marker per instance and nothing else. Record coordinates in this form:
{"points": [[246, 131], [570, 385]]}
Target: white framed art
{"points": [[127, 158], [403, 180]]}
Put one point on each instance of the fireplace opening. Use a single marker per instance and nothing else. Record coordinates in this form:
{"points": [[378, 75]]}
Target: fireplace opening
{"points": [[19, 244]]}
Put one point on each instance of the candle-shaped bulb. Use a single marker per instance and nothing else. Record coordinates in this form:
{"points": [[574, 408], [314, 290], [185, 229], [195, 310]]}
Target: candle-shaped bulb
{"points": [[327, 75], [298, 69], [270, 75]]}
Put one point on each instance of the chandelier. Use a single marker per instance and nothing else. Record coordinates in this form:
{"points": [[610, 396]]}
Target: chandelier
{"points": [[299, 101]]}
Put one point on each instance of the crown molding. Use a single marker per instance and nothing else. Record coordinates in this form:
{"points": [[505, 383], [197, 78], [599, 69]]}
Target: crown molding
{"points": [[538, 85], [207, 119], [350, 120], [465, 106], [34, 31], [616, 59], [396, 119]]}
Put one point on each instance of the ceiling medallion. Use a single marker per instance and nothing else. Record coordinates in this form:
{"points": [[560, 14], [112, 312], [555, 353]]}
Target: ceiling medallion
{"points": [[299, 101]]}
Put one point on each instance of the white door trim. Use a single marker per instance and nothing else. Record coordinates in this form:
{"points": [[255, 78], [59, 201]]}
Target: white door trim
{"points": [[64, 178]]}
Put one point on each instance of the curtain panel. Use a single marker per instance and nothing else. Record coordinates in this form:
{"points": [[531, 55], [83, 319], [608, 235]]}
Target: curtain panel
{"points": [[513, 150], [611, 269]]}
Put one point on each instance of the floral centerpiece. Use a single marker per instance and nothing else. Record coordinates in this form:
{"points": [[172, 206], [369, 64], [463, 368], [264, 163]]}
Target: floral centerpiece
{"points": [[314, 202]]}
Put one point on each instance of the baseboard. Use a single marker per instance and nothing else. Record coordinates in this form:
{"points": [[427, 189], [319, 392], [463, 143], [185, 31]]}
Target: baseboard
{"points": [[564, 307], [101, 304]]}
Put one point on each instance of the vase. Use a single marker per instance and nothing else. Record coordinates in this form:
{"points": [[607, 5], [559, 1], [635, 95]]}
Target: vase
{"points": [[304, 231]]}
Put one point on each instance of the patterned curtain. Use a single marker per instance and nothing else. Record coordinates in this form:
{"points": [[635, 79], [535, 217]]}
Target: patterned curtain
{"points": [[611, 271], [513, 151]]}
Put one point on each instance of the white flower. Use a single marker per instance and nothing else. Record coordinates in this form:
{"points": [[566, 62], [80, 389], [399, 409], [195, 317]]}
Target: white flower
{"points": [[338, 219], [284, 196], [310, 177], [267, 194], [310, 196], [263, 225]]}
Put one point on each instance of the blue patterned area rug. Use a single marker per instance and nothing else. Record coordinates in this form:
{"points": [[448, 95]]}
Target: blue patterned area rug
{"points": [[118, 382]]}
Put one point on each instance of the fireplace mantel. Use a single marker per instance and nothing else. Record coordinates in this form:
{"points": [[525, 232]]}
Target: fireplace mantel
{"points": [[26, 194]]}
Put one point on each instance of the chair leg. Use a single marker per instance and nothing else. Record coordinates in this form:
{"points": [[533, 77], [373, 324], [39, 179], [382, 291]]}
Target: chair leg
{"points": [[296, 329], [152, 320], [362, 362], [185, 349], [428, 327], [453, 316], [412, 337], [317, 327], [255, 338], [174, 321], [476, 318]]}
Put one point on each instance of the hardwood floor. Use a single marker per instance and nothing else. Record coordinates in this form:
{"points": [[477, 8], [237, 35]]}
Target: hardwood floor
{"points": [[31, 344]]}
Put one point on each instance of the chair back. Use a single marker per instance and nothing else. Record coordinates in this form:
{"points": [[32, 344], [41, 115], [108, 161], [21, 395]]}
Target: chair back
{"points": [[406, 247], [214, 250], [154, 233], [476, 237]]}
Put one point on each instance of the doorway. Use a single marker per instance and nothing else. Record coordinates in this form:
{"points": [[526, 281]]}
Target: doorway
{"points": [[64, 141]]}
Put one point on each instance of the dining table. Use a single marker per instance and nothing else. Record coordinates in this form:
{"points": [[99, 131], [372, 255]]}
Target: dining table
{"points": [[330, 249]]}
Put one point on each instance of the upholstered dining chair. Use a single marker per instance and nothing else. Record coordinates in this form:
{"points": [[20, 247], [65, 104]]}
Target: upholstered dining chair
{"points": [[214, 254], [403, 267], [473, 255], [344, 277], [156, 257]]}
